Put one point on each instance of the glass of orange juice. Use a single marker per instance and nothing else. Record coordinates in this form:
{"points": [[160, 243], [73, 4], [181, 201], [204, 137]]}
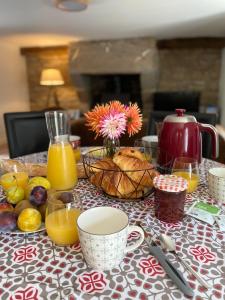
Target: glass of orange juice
{"points": [[187, 168], [63, 209]]}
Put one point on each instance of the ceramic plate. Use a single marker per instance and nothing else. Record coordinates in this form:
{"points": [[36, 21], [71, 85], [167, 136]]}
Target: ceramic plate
{"points": [[19, 232]]}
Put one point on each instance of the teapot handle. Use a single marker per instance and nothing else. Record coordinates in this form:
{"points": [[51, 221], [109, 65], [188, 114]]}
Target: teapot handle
{"points": [[213, 132]]}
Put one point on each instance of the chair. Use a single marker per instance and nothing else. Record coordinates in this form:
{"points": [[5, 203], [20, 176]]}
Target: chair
{"points": [[156, 117], [26, 133]]}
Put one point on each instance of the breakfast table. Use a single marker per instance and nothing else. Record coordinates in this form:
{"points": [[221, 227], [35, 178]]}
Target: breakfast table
{"points": [[33, 268]]}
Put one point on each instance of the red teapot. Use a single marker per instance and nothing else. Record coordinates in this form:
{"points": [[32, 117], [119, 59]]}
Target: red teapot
{"points": [[181, 135]]}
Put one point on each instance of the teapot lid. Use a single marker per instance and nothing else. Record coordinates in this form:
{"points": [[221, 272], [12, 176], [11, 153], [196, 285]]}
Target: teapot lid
{"points": [[180, 117]]}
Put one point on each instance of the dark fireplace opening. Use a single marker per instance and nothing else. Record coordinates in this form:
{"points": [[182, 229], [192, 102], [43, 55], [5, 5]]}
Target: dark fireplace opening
{"points": [[123, 87]]}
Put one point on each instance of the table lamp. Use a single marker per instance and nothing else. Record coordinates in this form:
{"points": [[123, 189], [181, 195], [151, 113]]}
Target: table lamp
{"points": [[51, 78]]}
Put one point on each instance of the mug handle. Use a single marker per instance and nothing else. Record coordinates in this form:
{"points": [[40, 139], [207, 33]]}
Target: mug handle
{"points": [[139, 241]]}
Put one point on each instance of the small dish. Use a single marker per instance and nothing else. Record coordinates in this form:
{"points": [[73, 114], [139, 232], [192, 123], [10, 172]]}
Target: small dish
{"points": [[19, 232]]}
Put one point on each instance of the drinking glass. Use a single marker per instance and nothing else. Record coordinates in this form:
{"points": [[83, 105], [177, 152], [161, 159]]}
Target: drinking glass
{"points": [[63, 209], [13, 173], [187, 168], [148, 149]]}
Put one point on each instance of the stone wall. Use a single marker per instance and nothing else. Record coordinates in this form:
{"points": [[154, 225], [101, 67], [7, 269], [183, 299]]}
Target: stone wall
{"points": [[191, 70], [38, 59], [185, 69], [128, 56]]}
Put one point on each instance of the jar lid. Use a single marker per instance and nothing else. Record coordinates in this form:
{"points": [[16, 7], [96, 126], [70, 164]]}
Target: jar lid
{"points": [[170, 183]]}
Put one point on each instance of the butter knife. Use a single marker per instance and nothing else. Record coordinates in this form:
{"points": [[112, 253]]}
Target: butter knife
{"points": [[168, 266]]}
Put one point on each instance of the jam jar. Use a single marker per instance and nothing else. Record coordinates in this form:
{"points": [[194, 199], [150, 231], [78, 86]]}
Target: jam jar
{"points": [[170, 194]]}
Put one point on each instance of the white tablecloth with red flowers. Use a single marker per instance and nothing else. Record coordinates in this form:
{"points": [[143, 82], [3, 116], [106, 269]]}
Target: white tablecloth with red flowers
{"points": [[32, 268]]}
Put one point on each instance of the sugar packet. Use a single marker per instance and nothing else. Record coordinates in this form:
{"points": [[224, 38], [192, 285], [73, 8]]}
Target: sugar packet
{"points": [[204, 212]]}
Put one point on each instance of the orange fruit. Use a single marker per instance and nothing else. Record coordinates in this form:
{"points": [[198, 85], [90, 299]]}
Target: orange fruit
{"points": [[29, 220]]}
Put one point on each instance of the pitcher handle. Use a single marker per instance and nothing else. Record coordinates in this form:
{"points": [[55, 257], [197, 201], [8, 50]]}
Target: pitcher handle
{"points": [[213, 132], [138, 242]]}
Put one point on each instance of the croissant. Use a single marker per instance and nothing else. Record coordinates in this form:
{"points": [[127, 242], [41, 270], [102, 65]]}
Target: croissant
{"points": [[114, 183], [123, 183], [103, 164], [141, 172], [131, 152], [104, 180]]}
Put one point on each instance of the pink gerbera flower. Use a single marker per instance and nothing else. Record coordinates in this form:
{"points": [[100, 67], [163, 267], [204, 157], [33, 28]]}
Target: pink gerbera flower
{"points": [[113, 125]]}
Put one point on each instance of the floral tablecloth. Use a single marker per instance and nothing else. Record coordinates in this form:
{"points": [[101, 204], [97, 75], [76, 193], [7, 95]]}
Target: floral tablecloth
{"points": [[32, 268]]}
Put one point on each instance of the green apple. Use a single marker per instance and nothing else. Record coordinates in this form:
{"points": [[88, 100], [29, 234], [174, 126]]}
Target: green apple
{"points": [[15, 194]]}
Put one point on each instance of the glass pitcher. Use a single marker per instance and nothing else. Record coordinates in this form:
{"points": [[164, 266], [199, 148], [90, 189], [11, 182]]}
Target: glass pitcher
{"points": [[61, 166]]}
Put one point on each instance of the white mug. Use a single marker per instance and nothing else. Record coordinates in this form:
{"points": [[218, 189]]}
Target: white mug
{"points": [[216, 182], [103, 233]]}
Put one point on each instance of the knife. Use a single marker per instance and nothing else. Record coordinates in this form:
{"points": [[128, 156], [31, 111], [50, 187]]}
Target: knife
{"points": [[168, 266]]}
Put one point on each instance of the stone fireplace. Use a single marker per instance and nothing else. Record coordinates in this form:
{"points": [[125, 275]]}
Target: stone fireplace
{"points": [[129, 70], [126, 70], [103, 88]]}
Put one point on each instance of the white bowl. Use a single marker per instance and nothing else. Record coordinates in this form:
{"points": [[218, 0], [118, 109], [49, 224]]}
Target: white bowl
{"points": [[216, 183], [150, 138]]}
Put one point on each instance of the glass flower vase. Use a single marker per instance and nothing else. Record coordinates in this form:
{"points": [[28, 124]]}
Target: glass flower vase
{"points": [[111, 145]]}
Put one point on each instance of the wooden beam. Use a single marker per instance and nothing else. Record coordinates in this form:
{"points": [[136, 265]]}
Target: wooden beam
{"points": [[33, 50], [213, 43]]}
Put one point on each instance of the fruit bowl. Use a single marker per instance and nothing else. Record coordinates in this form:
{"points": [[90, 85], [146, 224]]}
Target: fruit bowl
{"points": [[22, 200], [122, 177]]}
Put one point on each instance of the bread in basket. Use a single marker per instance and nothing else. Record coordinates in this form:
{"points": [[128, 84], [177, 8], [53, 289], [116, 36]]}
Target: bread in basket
{"points": [[127, 175]]}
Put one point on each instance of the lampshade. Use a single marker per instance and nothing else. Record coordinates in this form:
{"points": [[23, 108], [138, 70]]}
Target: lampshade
{"points": [[71, 5], [51, 77]]}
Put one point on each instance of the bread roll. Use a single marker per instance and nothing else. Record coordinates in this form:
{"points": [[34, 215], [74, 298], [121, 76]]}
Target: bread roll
{"points": [[131, 152], [12, 165], [33, 169], [39, 169]]}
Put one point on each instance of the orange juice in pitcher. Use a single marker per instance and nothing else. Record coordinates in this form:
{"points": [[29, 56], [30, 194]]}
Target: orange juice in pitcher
{"points": [[61, 170], [61, 166]]}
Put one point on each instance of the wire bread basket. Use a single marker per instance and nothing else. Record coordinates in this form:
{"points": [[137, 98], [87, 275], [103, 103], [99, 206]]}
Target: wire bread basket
{"points": [[126, 185]]}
